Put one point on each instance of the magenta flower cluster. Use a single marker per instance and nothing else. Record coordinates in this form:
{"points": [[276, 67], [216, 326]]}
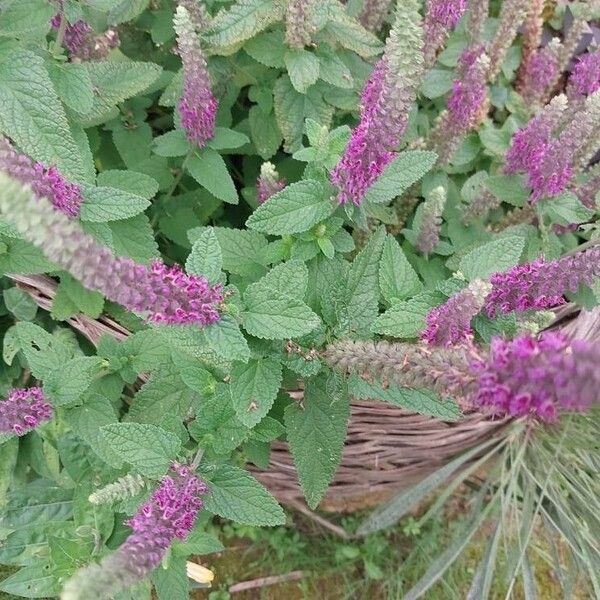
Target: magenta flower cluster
{"points": [[169, 514], [45, 181], [369, 150], [539, 285], [268, 183], [540, 71], [198, 106], [24, 410], [81, 42], [538, 378], [446, 12], [585, 78]]}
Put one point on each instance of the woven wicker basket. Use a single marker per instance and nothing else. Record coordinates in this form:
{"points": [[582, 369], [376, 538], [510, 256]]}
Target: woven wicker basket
{"points": [[387, 447]]}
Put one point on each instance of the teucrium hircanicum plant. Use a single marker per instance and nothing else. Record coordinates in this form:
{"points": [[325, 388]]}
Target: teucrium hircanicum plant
{"points": [[222, 222]]}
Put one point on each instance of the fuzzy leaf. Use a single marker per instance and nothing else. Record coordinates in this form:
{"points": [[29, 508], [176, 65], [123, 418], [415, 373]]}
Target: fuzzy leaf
{"points": [[316, 431], [397, 278], [495, 256], [406, 319], [73, 84], [102, 204], [294, 209], [32, 115], [226, 339], [172, 143], [254, 386], [135, 183], [66, 385], [147, 448], [405, 170], [206, 258], [424, 402], [22, 16], [236, 495], [350, 33], [302, 67], [208, 168]]}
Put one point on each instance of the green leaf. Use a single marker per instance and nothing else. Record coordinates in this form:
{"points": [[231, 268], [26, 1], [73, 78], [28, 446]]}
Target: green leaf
{"points": [[134, 238], [206, 258], [272, 314], [236, 495], [437, 83], [102, 204], [495, 256], [566, 209], [33, 581], [226, 339], [303, 68], [20, 304], [135, 183], [405, 170], [267, 430], [22, 16], [316, 431], [267, 48], [125, 10], [406, 319], [264, 132], [25, 258], [289, 278], [172, 583], [67, 384], [334, 71], [424, 402], [294, 209], [73, 84], [83, 300], [362, 289], [172, 143], [397, 278], [508, 188], [227, 139], [32, 115], [292, 109], [348, 32], [208, 168], [147, 448], [242, 21], [254, 386]]}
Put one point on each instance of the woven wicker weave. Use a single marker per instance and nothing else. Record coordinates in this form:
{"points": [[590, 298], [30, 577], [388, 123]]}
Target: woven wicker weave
{"points": [[387, 447]]}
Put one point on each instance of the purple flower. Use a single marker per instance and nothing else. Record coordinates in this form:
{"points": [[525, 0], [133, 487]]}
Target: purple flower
{"points": [[24, 410], [386, 101], [45, 181], [586, 192], [450, 323], [468, 95], [165, 294], [198, 106], [539, 71], [169, 514], [82, 44], [585, 78], [538, 378], [540, 285], [268, 183], [446, 12]]}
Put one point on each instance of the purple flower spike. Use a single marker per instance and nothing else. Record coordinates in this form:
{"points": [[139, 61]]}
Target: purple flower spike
{"points": [[585, 78], [24, 410], [446, 12], [268, 183], [540, 285], [45, 181], [198, 106], [538, 379], [169, 514], [83, 44]]}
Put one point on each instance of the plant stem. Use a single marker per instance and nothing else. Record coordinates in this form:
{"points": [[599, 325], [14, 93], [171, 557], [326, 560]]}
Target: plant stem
{"points": [[180, 174], [60, 34]]}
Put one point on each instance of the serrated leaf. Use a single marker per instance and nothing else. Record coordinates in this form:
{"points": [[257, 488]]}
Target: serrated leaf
{"points": [[264, 132], [102, 204], [316, 431], [268, 430], [66, 385], [334, 71], [405, 170], [302, 67], [172, 583], [406, 319], [172, 143], [85, 301], [32, 115], [271, 314], [254, 386], [242, 21], [294, 209], [20, 304], [424, 402], [292, 108], [125, 10], [227, 139], [267, 48], [350, 33], [289, 278], [567, 209], [226, 339], [73, 84], [22, 16], [147, 448], [134, 238], [508, 188], [397, 278], [437, 82], [138, 184], [495, 256], [33, 581], [208, 168], [25, 258], [362, 289], [236, 495], [206, 258]]}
